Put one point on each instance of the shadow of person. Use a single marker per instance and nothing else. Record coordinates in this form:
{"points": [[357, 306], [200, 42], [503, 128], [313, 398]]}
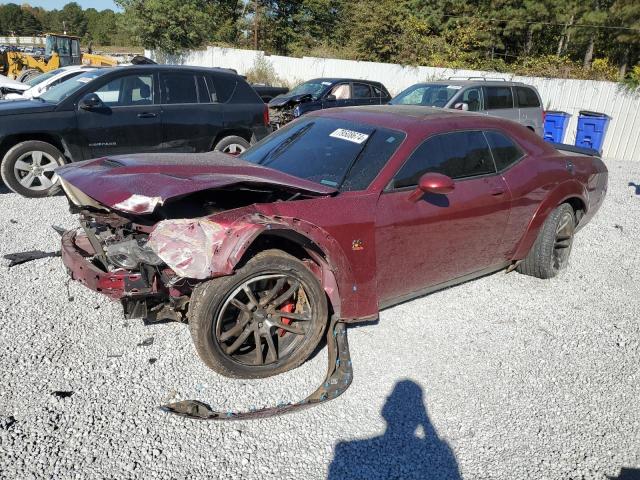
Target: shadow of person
{"points": [[637, 187], [409, 449]]}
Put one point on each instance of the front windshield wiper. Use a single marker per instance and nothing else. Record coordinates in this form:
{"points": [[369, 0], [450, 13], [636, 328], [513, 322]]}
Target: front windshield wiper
{"points": [[280, 149]]}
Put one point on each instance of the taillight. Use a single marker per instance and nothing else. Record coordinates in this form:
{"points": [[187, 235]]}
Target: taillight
{"points": [[265, 115], [544, 116]]}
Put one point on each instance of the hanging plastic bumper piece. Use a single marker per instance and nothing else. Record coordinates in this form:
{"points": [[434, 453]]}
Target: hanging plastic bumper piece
{"points": [[337, 380]]}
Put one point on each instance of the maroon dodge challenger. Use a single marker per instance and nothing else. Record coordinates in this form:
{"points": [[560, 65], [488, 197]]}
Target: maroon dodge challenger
{"points": [[341, 213]]}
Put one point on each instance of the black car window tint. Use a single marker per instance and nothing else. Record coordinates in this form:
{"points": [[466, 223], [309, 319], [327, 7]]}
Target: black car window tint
{"points": [[360, 91], [178, 88], [244, 93], [457, 155], [527, 98], [377, 92], [505, 151], [498, 97]]}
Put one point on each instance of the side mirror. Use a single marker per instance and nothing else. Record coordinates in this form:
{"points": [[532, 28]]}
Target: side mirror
{"points": [[462, 106], [432, 183], [90, 102], [330, 98]]}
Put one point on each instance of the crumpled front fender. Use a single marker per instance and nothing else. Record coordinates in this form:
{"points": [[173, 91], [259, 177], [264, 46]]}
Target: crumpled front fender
{"points": [[210, 247]]}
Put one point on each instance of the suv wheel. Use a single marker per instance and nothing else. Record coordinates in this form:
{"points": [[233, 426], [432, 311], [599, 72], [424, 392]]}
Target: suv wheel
{"points": [[233, 145], [27, 169]]}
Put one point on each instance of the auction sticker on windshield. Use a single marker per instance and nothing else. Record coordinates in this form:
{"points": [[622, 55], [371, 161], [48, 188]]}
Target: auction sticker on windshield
{"points": [[349, 135]]}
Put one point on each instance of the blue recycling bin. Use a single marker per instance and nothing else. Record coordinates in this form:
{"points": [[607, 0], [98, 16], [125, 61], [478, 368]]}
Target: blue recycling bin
{"points": [[555, 125], [592, 127]]}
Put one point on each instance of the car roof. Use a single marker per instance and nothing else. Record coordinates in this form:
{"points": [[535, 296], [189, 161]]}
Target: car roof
{"points": [[338, 79], [410, 117], [471, 82], [189, 68]]}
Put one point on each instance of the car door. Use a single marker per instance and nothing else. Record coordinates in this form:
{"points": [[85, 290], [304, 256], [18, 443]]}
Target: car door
{"points": [[498, 102], [338, 96], [529, 109], [191, 114], [362, 94], [440, 237], [128, 121]]}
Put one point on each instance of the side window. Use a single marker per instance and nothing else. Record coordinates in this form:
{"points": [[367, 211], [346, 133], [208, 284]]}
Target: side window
{"points": [[498, 97], [221, 87], [377, 92], [505, 151], [127, 91], [178, 88], [526, 97], [471, 96], [373, 158], [457, 155], [342, 91], [360, 91]]}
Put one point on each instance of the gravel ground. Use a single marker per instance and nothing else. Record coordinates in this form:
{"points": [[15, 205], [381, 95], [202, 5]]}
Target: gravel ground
{"points": [[503, 377]]}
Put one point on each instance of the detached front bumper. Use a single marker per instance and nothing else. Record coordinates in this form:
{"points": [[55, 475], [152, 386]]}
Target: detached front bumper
{"points": [[76, 255]]}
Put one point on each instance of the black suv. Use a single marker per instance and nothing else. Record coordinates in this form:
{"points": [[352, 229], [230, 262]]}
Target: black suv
{"points": [[145, 108]]}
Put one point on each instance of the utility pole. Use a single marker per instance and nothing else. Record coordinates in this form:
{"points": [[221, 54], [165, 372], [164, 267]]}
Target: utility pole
{"points": [[255, 24]]}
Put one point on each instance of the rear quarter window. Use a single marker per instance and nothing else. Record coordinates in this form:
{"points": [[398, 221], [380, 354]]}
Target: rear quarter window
{"points": [[505, 151], [526, 97], [223, 86], [244, 93]]}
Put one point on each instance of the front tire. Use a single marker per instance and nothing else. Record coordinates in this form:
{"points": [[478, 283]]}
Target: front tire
{"points": [[28, 169], [232, 145], [550, 253], [265, 319]]}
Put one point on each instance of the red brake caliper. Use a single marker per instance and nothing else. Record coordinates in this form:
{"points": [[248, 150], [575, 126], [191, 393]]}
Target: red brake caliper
{"points": [[288, 307]]}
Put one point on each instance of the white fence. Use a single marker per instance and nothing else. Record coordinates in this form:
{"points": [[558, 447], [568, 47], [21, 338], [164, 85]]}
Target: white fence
{"points": [[22, 40], [622, 141]]}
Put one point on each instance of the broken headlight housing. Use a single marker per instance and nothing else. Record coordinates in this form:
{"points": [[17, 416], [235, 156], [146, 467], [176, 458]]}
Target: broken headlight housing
{"points": [[131, 253]]}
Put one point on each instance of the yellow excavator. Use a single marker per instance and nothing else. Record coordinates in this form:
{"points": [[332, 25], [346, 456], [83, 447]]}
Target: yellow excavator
{"points": [[60, 51]]}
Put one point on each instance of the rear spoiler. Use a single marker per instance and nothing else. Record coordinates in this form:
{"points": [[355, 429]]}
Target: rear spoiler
{"points": [[572, 148]]}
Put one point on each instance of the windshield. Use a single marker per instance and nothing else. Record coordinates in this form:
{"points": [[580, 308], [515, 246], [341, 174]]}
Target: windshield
{"points": [[314, 87], [42, 77], [429, 95], [336, 153], [60, 92]]}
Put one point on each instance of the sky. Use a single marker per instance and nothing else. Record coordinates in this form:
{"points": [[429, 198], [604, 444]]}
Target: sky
{"points": [[51, 4]]}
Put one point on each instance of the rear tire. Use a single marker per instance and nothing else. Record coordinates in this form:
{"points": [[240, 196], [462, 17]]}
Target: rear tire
{"points": [[27, 169], [550, 253], [28, 74], [226, 324], [233, 145]]}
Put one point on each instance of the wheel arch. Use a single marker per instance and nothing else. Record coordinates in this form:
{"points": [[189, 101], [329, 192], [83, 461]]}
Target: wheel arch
{"points": [[11, 141], [308, 243], [571, 192], [247, 134]]}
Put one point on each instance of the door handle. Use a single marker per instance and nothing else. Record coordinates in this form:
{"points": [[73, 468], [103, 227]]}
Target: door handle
{"points": [[147, 115], [497, 191]]}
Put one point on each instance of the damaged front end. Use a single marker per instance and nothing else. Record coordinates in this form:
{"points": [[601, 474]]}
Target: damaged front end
{"points": [[110, 254], [150, 249], [287, 109]]}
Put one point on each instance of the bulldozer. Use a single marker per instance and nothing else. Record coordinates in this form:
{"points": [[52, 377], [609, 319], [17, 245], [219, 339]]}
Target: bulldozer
{"points": [[60, 51]]}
